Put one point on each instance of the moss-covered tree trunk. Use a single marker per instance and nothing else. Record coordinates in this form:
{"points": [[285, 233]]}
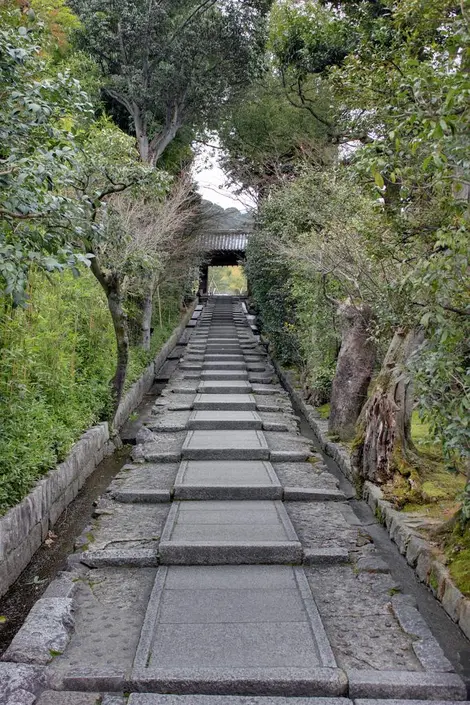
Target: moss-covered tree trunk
{"points": [[353, 370], [384, 445]]}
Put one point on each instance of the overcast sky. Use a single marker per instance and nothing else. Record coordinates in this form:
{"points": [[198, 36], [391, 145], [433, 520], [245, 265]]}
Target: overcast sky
{"points": [[211, 180]]}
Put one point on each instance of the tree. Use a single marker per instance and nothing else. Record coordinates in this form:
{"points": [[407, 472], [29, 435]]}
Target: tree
{"points": [[38, 156], [173, 63], [266, 139], [157, 239], [110, 165]]}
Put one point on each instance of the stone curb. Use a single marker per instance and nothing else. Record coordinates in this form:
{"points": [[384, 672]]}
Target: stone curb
{"points": [[318, 425], [25, 526], [416, 550], [420, 556]]}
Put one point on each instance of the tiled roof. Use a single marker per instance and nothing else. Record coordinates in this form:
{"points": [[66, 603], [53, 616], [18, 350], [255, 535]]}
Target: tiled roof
{"points": [[226, 241]]}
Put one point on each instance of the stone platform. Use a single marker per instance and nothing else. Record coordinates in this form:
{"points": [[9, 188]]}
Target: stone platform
{"points": [[224, 566]]}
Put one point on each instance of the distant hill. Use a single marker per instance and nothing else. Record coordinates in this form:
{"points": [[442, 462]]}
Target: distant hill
{"points": [[219, 218]]}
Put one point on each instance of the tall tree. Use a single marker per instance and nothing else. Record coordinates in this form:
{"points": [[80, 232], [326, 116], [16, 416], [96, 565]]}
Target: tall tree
{"points": [[173, 63]]}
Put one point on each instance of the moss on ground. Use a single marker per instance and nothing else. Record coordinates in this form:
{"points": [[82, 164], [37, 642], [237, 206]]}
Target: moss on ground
{"points": [[425, 486], [323, 410], [456, 546]]}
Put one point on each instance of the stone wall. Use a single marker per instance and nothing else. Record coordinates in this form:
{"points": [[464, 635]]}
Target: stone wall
{"points": [[24, 527]]}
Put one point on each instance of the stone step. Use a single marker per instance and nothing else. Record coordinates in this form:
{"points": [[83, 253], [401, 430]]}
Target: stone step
{"points": [[224, 420], [219, 347], [234, 532], [227, 480], [225, 445], [156, 699], [234, 630], [224, 364], [224, 387], [215, 374], [227, 402], [224, 357]]}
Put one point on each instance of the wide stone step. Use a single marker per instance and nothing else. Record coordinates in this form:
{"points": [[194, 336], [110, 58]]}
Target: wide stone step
{"points": [[224, 387], [225, 420], [224, 364], [227, 402], [215, 374], [225, 445], [157, 699], [227, 480], [234, 630], [234, 532], [224, 357]]}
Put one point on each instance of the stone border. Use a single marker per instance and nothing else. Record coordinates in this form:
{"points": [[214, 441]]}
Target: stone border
{"points": [[418, 552], [420, 556], [25, 526], [318, 425]]}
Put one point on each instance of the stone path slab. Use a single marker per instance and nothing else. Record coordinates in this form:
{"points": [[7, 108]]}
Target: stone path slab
{"points": [[234, 532], [224, 387], [225, 445], [229, 402], [267, 623], [228, 480], [228, 420]]}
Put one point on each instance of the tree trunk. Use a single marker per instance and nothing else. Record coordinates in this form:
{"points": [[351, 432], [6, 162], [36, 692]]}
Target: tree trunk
{"points": [[111, 286], [353, 370], [147, 309], [385, 445], [122, 342]]}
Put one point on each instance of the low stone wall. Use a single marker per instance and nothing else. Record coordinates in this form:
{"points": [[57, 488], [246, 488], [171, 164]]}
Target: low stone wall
{"points": [[418, 552], [24, 527]]}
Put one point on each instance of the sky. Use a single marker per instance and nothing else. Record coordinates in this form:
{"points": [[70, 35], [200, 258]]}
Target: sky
{"points": [[212, 180]]}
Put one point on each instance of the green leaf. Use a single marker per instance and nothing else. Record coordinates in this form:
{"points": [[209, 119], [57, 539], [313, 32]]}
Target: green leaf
{"points": [[379, 180]]}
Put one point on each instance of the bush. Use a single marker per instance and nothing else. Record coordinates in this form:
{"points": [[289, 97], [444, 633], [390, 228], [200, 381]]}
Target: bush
{"points": [[56, 359]]}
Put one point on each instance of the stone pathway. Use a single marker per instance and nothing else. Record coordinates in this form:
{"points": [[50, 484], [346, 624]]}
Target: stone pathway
{"points": [[224, 565]]}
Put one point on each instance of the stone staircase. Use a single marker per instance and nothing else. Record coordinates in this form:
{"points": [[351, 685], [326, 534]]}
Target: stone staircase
{"points": [[224, 565]]}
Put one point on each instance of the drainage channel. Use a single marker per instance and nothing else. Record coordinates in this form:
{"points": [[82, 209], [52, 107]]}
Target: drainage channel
{"points": [[51, 557], [451, 639]]}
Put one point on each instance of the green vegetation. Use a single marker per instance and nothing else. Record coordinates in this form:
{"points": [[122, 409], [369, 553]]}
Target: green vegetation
{"points": [[324, 410], [98, 211], [227, 280], [363, 214], [57, 356]]}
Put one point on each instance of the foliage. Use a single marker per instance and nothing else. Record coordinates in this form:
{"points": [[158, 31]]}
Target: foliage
{"points": [[56, 359], [265, 138], [37, 159], [397, 85], [172, 64], [227, 280]]}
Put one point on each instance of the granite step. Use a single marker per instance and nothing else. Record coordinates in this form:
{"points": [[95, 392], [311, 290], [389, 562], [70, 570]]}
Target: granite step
{"points": [[225, 420], [229, 532], [234, 630], [224, 402], [227, 480], [216, 374], [225, 445], [224, 387]]}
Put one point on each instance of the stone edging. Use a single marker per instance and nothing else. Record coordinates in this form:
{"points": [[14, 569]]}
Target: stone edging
{"points": [[418, 552], [25, 526]]}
